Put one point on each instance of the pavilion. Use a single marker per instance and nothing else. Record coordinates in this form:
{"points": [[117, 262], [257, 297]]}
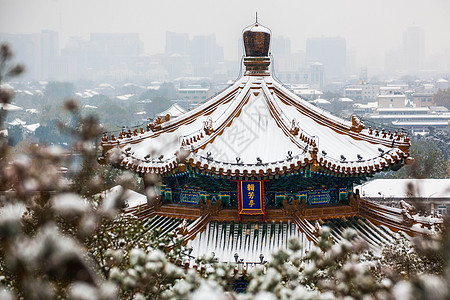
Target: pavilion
{"points": [[256, 164]]}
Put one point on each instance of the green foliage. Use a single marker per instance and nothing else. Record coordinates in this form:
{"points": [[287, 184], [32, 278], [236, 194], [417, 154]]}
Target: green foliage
{"points": [[7, 68], [50, 134], [431, 158], [160, 98], [442, 98], [411, 259], [158, 104], [59, 90], [15, 135], [114, 115]]}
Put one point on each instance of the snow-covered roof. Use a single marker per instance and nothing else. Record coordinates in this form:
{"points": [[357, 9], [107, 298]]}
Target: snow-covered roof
{"points": [[444, 116], [32, 127], [125, 97], [6, 86], [368, 105], [266, 238], [438, 109], [133, 198], [32, 110], [174, 111], [406, 188], [245, 122], [199, 89], [421, 123], [28, 92], [16, 122], [10, 107], [307, 92], [106, 85], [320, 101], [390, 87], [405, 109], [345, 100], [392, 96]]}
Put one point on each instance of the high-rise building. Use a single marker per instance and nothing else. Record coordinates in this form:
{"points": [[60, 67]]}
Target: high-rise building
{"points": [[204, 50], [177, 43], [49, 52], [414, 49], [331, 52], [198, 56], [117, 44], [39, 52], [281, 46]]}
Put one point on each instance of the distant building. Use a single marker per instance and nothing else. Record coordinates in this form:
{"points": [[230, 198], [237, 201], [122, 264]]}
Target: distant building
{"points": [[317, 75], [38, 52], [442, 84], [287, 65], [423, 99], [281, 46], [199, 56], [417, 120], [205, 54], [49, 53], [391, 101], [414, 49], [433, 195], [364, 109], [194, 94], [392, 90], [177, 43], [353, 93], [331, 52], [362, 92], [306, 92], [174, 111]]}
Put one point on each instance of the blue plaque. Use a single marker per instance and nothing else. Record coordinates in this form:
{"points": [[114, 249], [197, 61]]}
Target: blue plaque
{"points": [[251, 197]]}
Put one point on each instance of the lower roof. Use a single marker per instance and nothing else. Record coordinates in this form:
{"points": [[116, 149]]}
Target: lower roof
{"points": [[250, 240], [406, 188]]}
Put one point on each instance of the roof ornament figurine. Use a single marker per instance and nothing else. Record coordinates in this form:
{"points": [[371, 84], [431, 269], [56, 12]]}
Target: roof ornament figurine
{"points": [[234, 182]]}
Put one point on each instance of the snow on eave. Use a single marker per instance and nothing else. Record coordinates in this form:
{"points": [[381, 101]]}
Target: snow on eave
{"points": [[229, 104]]}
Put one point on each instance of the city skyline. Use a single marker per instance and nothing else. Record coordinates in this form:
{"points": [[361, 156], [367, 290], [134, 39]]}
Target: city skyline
{"points": [[371, 29]]}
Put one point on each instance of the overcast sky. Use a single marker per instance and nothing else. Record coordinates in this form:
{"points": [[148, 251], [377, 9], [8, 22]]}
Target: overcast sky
{"points": [[370, 27]]}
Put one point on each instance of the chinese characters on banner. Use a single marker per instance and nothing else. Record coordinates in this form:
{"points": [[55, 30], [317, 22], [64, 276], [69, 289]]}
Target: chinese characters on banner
{"points": [[251, 197]]}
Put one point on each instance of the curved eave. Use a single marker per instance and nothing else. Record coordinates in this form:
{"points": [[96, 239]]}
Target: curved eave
{"points": [[321, 165], [374, 136]]}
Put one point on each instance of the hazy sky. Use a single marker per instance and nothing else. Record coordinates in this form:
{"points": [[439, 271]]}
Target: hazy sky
{"points": [[370, 27]]}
